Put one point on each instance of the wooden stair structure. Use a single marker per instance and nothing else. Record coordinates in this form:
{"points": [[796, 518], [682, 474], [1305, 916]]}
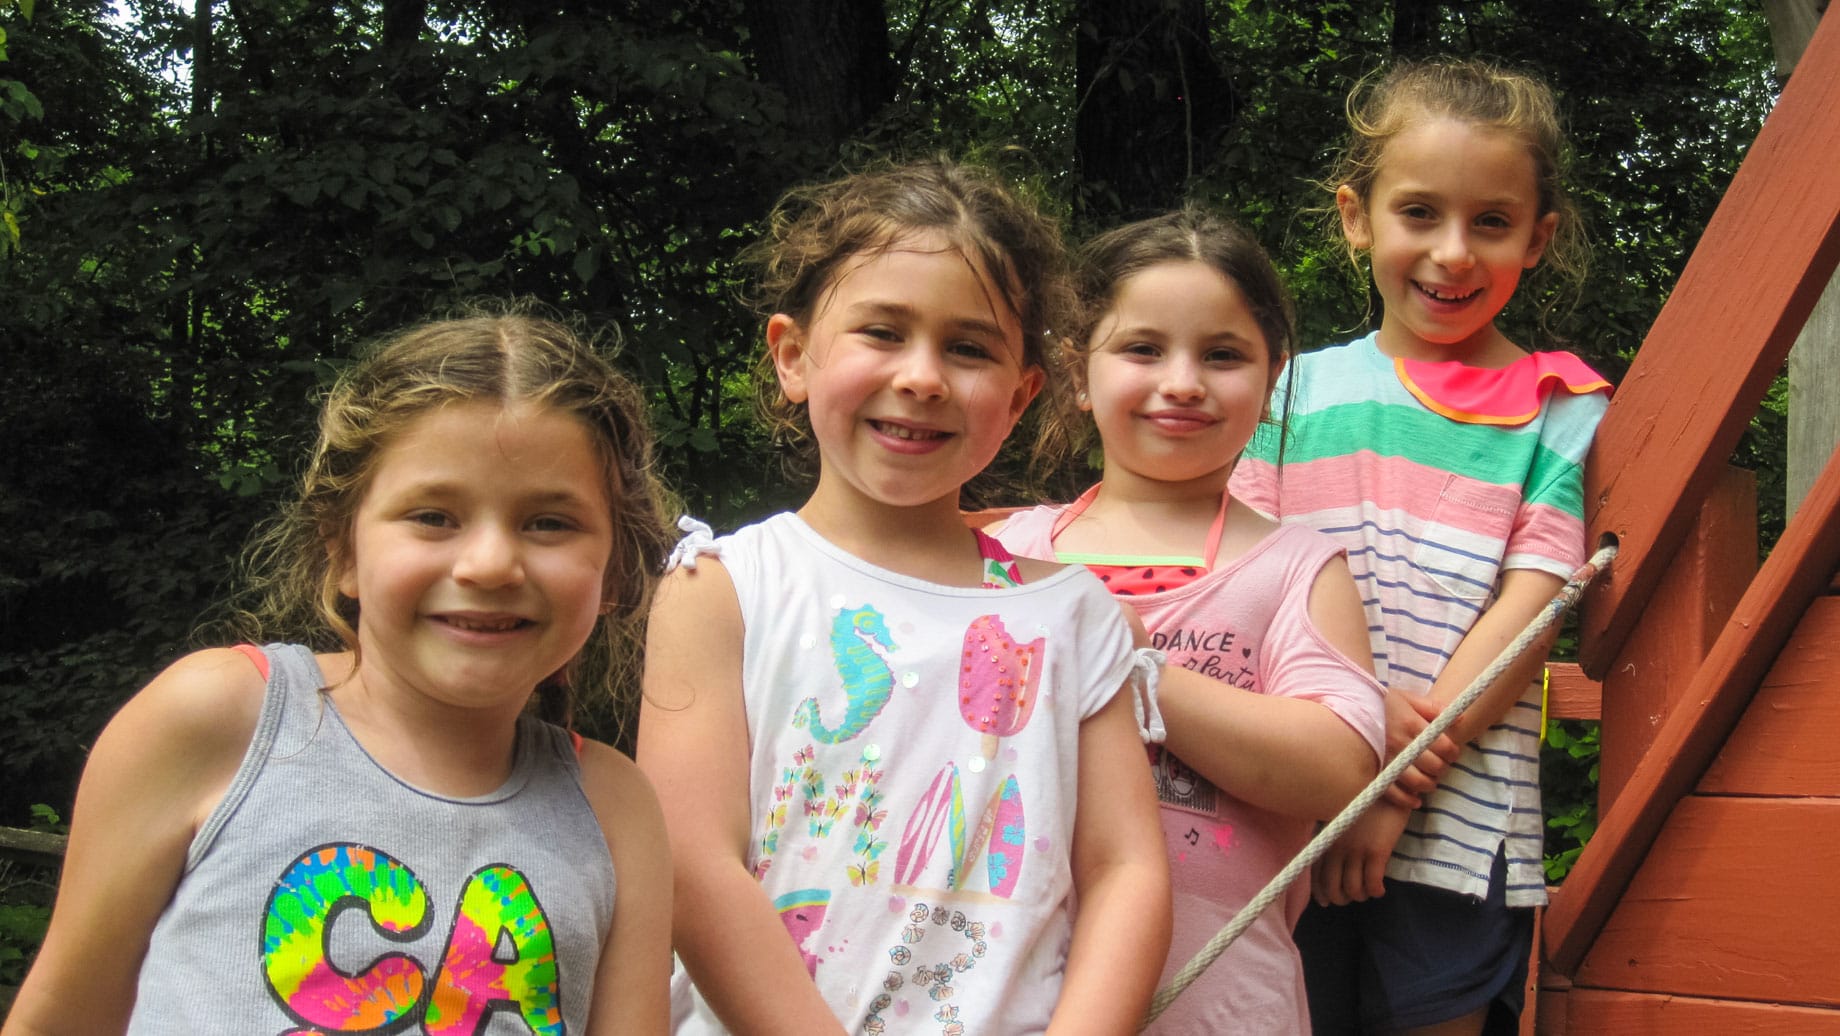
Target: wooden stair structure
{"points": [[1709, 898]]}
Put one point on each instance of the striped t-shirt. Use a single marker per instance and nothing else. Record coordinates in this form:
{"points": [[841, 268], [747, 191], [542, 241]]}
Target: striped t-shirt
{"points": [[1431, 511]]}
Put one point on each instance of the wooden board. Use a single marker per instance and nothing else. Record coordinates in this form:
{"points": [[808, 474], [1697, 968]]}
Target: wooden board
{"points": [[1796, 573], [1785, 744], [1725, 332], [1572, 695], [1602, 1012], [1696, 595], [1735, 901]]}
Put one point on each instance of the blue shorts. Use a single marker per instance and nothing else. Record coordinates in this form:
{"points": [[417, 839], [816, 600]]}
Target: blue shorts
{"points": [[1416, 956]]}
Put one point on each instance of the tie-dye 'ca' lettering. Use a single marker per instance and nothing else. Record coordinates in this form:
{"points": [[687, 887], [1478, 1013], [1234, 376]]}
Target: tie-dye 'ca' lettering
{"points": [[500, 952]]}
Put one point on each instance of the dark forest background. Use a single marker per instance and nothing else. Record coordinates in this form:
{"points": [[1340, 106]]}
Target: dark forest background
{"points": [[206, 208]]}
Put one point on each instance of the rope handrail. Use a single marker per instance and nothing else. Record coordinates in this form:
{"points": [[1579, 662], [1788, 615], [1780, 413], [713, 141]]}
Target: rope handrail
{"points": [[1548, 616]]}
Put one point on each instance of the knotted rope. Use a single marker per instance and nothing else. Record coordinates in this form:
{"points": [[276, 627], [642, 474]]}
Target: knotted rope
{"points": [[1567, 596]]}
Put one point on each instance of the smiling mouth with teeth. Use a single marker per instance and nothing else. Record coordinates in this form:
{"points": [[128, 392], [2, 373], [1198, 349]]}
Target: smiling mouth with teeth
{"points": [[1441, 297], [897, 431], [498, 626]]}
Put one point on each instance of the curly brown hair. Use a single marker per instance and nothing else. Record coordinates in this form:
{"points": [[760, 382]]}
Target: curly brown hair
{"points": [[504, 353], [816, 229]]}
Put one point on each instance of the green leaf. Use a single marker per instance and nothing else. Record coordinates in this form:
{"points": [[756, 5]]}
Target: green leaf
{"points": [[587, 264]]}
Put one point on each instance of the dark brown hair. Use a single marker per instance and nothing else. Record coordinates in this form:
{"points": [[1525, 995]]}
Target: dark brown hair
{"points": [[816, 229], [1189, 234]]}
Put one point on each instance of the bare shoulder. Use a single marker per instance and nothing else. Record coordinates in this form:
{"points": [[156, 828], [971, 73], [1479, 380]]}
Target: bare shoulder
{"points": [[695, 629], [614, 784], [624, 803], [687, 593], [210, 698]]}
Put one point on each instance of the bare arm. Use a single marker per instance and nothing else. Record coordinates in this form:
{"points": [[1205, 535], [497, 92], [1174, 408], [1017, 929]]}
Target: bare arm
{"points": [[1523, 593], [693, 744], [1355, 867], [632, 987], [1288, 755], [1121, 934], [155, 773]]}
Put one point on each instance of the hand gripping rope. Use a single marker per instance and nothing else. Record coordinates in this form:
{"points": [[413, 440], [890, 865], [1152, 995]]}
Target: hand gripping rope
{"points": [[1567, 596]]}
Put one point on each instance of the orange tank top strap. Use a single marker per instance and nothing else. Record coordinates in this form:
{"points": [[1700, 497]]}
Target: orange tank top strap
{"points": [[254, 654]]}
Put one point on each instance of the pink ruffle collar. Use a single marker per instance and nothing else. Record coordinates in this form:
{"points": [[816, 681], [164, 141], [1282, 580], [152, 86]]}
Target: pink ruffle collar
{"points": [[1507, 396]]}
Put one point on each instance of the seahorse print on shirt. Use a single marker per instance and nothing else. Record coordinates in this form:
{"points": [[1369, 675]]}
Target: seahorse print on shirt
{"points": [[860, 644], [500, 953]]}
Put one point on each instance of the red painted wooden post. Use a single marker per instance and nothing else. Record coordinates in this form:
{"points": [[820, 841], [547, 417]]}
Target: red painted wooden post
{"points": [[1747, 290], [1690, 605], [1798, 570]]}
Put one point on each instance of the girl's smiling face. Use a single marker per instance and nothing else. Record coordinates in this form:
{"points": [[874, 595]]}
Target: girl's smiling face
{"points": [[479, 554], [1177, 375], [912, 371], [1452, 221]]}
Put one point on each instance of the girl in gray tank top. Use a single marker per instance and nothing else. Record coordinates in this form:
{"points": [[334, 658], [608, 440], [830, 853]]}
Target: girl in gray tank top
{"points": [[399, 834]]}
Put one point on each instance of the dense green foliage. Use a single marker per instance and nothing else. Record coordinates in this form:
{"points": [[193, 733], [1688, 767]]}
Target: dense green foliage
{"points": [[203, 212]]}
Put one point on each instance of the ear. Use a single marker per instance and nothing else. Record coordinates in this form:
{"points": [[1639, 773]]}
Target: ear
{"points": [[348, 573], [1271, 385], [1277, 371], [1355, 225], [1542, 236], [786, 345], [1028, 386]]}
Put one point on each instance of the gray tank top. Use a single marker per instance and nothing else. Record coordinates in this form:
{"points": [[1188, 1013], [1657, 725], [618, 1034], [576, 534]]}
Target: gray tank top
{"points": [[325, 894]]}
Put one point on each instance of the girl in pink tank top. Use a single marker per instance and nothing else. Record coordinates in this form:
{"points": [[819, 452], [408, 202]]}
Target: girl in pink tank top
{"points": [[1273, 715]]}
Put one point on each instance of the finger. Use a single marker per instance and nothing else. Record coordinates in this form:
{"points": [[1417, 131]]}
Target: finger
{"points": [[1416, 782], [1376, 877], [1402, 798], [1445, 747]]}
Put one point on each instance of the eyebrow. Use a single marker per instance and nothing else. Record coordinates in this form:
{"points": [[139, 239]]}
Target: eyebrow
{"points": [[442, 488], [1153, 331], [1505, 201], [874, 308]]}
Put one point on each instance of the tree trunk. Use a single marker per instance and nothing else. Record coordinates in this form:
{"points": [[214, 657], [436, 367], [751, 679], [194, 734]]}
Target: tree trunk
{"points": [[830, 59], [1153, 103], [403, 22], [1415, 25]]}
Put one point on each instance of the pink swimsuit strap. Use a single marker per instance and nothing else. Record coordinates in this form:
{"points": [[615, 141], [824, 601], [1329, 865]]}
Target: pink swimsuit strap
{"points": [[1078, 507]]}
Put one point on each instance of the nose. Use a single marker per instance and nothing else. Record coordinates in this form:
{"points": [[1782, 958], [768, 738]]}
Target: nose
{"points": [[490, 556], [1181, 379], [920, 372], [1452, 249]]}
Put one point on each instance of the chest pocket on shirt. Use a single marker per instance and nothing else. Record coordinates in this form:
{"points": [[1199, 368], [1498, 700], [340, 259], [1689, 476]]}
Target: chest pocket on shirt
{"points": [[1460, 551]]}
